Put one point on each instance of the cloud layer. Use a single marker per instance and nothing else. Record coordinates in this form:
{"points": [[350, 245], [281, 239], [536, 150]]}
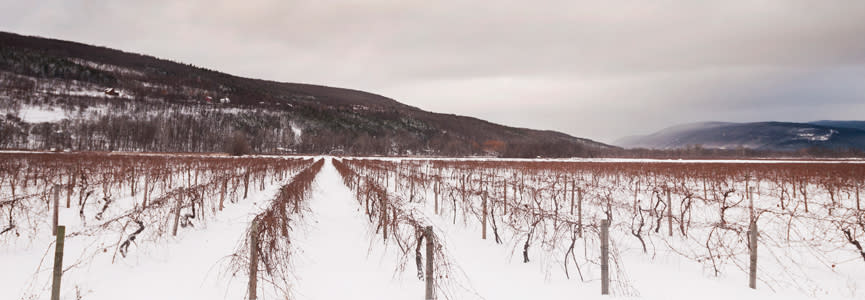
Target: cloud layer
{"points": [[597, 69]]}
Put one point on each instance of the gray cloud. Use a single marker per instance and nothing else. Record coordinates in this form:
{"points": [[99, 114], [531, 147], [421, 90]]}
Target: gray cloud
{"points": [[598, 69]]}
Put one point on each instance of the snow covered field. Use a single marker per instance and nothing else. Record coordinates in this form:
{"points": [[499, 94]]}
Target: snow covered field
{"points": [[339, 253]]}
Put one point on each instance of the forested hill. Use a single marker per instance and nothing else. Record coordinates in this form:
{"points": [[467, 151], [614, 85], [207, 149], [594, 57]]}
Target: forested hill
{"points": [[54, 96]]}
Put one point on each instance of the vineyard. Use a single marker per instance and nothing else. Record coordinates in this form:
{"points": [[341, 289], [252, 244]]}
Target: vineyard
{"points": [[809, 216], [458, 229], [120, 208]]}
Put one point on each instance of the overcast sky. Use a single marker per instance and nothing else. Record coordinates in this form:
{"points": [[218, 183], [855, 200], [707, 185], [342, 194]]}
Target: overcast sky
{"points": [[595, 69]]}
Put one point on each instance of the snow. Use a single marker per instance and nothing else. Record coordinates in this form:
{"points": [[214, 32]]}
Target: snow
{"points": [[192, 265], [188, 267], [108, 68], [298, 132], [491, 271], [35, 114], [497, 272], [91, 91], [815, 134], [87, 93], [341, 257]]}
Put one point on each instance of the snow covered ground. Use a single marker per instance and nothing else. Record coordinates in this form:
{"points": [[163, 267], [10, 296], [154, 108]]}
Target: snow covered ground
{"points": [[189, 266], [341, 257], [496, 271], [36, 114]]}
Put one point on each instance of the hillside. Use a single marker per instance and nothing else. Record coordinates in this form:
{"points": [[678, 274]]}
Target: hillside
{"points": [[774, 136], [844, 124], [53, 98]]}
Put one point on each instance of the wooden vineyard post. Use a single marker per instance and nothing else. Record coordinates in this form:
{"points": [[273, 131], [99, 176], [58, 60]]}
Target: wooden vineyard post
{"points": [[222, 194], [411, 187], [636, 191], [515, 193], [573, 193], [58, 262], [752, 242], [144, 196], [556, 203], [246, 184], [69, 188], [132, 183], [56, 205], [505, 197], [751, 205], [436, 192], [357, 186], [580, 212], [430, 263], [605, 257], [805, 195], [384, 221], [253, 260], [176, 216], [669, 213], [484, 217]]}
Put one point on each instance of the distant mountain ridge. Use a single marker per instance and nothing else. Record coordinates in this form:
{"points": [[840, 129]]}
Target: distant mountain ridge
{"points": [[775, 136], [70, 76], [843, 124]]}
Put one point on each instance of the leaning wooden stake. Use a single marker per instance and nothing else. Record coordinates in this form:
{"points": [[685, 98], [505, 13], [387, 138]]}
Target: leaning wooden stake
{"points": [[58, 262], [605, 257], [752, 242], [56, 210], [253, 260], [430, 263]]}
